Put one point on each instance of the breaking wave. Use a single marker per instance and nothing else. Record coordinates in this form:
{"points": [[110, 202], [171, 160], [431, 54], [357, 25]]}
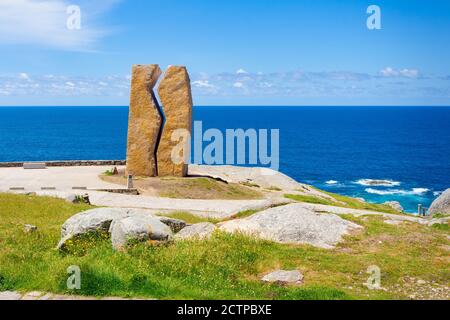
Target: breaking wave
{"points": [[331, 182], [379, 183], [415, 191]]}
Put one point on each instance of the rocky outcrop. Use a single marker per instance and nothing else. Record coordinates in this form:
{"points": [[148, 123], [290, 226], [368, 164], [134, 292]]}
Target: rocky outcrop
{"points": [[138, 228], [394, 205], [284, 277], [102, 220], [293, 224], [441, 204], [145, 122], [176, 98], [197, 231]]}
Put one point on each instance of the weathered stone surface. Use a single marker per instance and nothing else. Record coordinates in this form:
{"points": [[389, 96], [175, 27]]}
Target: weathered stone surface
{"points": [[394, 205], [284, 277], [102, 220], [95, 220], [197, 231], [92, 220], [295, 224], [144, 123], [138, 228], [174, 224], [441, 204], [35, 295], [176, 99], [9, 296]]}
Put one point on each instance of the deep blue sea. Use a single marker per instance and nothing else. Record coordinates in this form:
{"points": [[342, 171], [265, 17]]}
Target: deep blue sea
{"points": [[334, 148]]}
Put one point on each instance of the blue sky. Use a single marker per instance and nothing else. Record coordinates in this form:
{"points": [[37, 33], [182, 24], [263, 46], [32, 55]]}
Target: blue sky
{"points": [[238, 52]]}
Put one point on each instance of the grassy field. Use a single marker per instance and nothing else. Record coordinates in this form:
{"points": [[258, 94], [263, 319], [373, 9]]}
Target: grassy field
{"points": [[224, 267], [341, 201]]}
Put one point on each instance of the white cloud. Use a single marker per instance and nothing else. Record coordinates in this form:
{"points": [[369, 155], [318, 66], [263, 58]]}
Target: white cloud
{"points": [[409, 73], [202, 84], [241, 71], [63, 86], [295, 84], [24, 76], [389, 72], [44, 22]]}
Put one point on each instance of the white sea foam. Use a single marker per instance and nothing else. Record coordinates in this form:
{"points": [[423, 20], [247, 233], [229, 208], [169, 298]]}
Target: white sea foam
{"points": [[332, 182], [437, 193], [377, 182], [415, 191]]}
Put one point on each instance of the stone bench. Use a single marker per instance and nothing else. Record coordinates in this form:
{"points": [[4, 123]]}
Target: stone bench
{"points": [[34, 165]]}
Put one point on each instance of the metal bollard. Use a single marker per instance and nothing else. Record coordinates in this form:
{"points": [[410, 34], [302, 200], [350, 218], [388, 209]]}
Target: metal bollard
{"points": [[420, 210], [130, 181]]}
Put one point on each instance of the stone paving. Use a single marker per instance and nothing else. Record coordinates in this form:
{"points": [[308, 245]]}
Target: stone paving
{"points": [[57, 178], [37, 295]]}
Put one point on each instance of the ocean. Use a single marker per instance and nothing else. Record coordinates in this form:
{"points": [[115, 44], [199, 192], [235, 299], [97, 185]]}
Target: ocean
{"points": [[346, 150]]}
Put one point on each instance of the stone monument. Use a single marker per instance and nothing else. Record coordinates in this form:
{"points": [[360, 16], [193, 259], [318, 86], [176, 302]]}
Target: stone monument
{"points": [[153, 130]]}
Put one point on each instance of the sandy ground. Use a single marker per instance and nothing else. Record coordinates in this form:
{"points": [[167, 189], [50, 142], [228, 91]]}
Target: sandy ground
{"points": [[60, 178]]}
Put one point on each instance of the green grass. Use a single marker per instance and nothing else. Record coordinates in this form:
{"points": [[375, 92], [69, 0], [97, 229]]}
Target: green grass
{"points": [[309, 199], [244, 214], [108, 173], [223, 267], [273, 188], [440, 215], [189, 217], [250, 184], [206, 188], [341, 201]]}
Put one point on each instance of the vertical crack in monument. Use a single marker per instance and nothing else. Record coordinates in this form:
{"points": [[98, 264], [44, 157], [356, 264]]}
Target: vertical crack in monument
{"points": [[155, 133], [176, 98], [144, 123]]}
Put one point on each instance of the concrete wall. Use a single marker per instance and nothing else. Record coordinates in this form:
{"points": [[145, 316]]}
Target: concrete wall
{"points": [[76, 163]]}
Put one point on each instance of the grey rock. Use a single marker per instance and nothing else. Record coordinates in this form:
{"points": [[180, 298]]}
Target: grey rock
{"points": [[71, 198], [91, 221], [199, 231], [293, 224], [29, 228], [174, 224], [284, 277], [394, 205], [441, 204], [101, 220], [10, 295], [138, 228]]}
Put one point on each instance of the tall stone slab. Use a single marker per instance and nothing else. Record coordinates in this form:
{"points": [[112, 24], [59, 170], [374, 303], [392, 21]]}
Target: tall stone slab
{"points": [[176, 99], [144, 123]]}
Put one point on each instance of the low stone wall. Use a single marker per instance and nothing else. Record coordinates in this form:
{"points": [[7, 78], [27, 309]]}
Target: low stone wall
{"points": [[75, 163]]}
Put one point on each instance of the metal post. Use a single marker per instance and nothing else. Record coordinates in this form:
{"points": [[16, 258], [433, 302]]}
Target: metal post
{"points": [[420, 210], [130, 181]]}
